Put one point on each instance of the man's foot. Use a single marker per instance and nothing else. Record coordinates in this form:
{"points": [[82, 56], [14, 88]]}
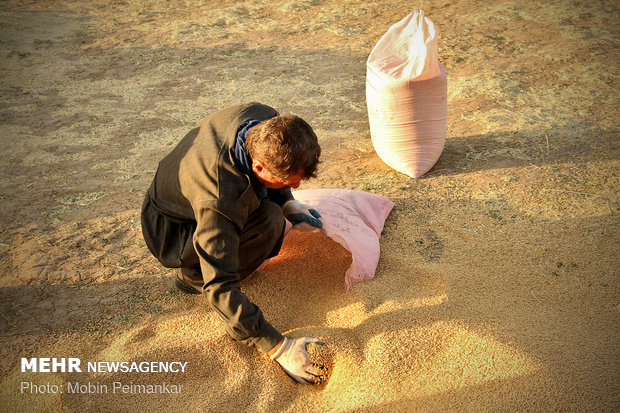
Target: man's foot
{"points": [[184, 286]]}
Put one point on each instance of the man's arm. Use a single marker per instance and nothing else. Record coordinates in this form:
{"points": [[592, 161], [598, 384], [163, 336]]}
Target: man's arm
{"points": [[216, 241]]}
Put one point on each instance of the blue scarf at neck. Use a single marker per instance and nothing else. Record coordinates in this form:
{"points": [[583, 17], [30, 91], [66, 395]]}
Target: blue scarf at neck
{"points": [[243, 159]]}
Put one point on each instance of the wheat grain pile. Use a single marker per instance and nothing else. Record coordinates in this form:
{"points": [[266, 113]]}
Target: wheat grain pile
{"points": [[385, 349]]}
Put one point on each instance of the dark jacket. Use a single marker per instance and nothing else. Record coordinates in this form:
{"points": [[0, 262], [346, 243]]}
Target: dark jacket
{"points": [[200, 187]]}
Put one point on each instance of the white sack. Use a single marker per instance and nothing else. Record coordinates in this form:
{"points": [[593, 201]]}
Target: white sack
{"points": [[406, 95]]}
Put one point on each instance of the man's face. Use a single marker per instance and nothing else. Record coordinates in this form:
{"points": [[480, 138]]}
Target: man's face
{"points": [[266, 178]]}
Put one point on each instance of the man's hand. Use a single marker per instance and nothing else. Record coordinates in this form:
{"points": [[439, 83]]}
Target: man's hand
{"points": [[295, 361], [301, 216]]}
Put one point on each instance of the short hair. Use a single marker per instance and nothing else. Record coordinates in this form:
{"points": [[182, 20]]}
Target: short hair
{"points": [[286, 144]]}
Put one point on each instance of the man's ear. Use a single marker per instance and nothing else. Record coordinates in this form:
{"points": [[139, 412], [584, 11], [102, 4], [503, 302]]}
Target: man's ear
{"points": [[257, 166]]}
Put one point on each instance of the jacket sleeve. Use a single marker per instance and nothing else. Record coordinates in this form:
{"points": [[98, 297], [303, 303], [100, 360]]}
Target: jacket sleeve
{"points": [[216, 241]]}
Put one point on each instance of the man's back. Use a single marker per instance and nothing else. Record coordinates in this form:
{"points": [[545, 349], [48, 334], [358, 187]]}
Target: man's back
{"points": [[201, 168]]}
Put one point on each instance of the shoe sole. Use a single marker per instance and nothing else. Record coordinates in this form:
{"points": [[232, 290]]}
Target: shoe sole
{"points": [[185, 287]]}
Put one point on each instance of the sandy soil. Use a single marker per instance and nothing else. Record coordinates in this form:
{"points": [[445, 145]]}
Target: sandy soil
{"points": [[497, 288]]}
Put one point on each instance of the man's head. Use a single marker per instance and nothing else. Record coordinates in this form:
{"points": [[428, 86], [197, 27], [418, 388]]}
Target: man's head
{"points": [[284, 151]]}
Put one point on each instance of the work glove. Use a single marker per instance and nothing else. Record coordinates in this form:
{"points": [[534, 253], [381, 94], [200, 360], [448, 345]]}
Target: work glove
{"points": [[295, 360], [301, 216]]}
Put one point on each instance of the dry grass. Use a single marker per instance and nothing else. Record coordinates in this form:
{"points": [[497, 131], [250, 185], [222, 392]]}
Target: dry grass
{"points": [[497, 287]]}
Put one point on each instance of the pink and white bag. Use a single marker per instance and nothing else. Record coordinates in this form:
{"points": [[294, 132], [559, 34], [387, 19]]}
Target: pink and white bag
{"points": [[406, 95]]}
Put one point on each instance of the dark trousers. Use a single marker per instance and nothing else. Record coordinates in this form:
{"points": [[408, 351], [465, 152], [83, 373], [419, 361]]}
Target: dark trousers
{"points": [[170, 240]]}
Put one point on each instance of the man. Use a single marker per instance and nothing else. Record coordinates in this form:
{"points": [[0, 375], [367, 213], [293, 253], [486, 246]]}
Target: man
{"points": [[216, 209]]}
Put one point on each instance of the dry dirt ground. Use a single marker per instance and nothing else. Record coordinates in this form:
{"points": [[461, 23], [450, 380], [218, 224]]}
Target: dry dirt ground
{"points": [[498, 283]]}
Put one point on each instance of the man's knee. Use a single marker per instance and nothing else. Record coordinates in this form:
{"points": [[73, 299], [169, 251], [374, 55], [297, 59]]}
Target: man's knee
{"points": [[262, 237], [266, 222], [274, 216]]}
